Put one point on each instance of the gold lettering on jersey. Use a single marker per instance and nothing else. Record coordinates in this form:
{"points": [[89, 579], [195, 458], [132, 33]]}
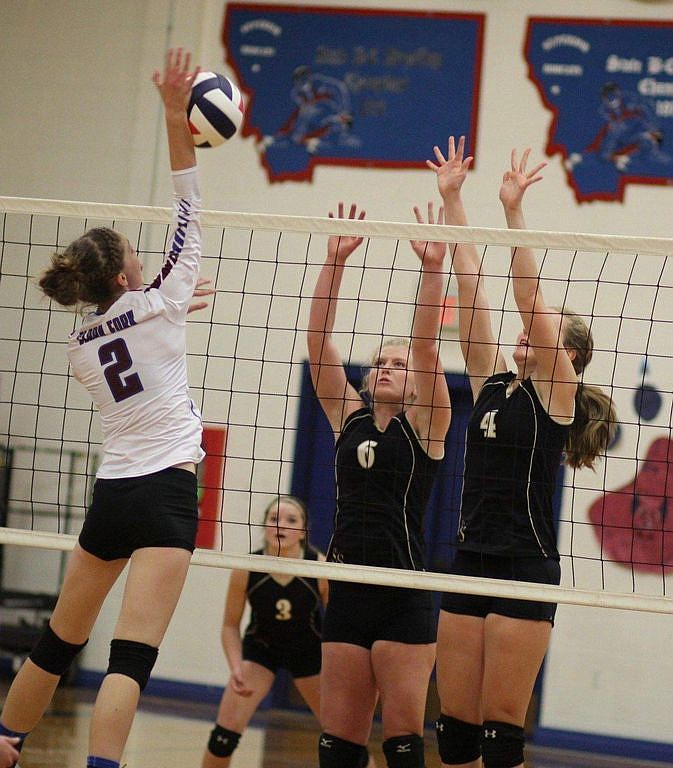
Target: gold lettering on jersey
{"points": [[283, 609], [121, 322], [365, 453]]}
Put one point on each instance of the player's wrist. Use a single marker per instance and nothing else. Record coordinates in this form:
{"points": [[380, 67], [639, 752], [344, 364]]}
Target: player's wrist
{"points": [[175, 115]]}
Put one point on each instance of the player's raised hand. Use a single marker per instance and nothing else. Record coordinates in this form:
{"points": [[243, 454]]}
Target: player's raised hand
{"points": [[451, 170], [517, 179], [431, 254], [175, 84], [340, 247]]}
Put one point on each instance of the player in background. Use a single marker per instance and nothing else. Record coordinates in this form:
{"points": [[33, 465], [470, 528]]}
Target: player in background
{"points": [[283, 632], [524, 423], [380, 640], [130, 355]]}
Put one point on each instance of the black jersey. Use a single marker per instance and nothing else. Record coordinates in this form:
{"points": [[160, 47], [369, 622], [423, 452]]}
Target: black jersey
{"points": [[384, 480], [287, 615], [512, 459]]}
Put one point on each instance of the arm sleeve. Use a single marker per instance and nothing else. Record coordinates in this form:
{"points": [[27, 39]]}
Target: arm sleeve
{"points": [[178, 275]]}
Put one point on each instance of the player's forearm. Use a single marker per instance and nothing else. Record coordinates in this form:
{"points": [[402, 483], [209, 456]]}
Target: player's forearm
{"points": [[325, 299], [181, 149], [427, 312], [232, 646], [525, 277]]}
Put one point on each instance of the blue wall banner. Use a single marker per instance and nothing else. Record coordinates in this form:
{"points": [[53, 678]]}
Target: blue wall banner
{"points": [[353, 86], [609, 86]]}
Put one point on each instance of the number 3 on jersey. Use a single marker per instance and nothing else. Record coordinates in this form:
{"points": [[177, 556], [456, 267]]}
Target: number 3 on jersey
{"points": [[283, 609], [487, 424], [116, 359]]}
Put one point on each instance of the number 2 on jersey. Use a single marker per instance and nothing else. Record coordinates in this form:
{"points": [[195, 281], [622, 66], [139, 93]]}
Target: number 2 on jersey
{"points": [[116, 359], [487, 424]]}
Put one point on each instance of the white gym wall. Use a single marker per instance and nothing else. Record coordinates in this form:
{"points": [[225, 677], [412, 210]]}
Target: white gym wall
{"points": [[80, 120]]}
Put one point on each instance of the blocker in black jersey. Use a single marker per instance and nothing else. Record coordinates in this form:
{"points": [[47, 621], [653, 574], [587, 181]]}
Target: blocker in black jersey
{"points": [[285, 622], [380, 641], [489, 648], [384, 480]]}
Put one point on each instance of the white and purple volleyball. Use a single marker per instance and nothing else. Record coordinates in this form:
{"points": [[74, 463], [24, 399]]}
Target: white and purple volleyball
{"points": [[215, 109]]}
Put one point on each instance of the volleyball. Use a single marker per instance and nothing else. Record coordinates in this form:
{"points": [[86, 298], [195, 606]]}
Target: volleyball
{"points": [[215, 109]]}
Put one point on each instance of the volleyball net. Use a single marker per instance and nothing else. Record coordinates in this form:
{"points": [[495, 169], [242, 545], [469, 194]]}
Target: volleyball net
{"points": [[264, 432]]}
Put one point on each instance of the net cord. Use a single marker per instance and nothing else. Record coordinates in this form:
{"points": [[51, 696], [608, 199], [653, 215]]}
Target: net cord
{"points": [[531, 238], [391, 577]]}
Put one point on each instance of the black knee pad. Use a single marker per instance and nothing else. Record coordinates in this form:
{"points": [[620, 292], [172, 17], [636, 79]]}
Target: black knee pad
{"points": [[222, 741], [404, 751], [501, 744], [52, 654], [339, 753], [135, 660], [458, 741]]}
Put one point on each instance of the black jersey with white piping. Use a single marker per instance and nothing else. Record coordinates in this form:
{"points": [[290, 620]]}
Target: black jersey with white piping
{"points": [[285, 614], [513, 453], [384, 479]]}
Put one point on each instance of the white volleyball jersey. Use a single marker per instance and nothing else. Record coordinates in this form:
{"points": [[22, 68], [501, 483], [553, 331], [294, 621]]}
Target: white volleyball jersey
{"points": [[132, 359]]}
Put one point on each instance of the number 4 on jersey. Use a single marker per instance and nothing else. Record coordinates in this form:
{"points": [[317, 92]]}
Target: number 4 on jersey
{"points": [[487, 424]]}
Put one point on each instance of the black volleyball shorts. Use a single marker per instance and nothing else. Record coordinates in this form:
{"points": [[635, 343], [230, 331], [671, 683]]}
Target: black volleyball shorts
{"points": [[537, 570], [299, 661], [361, 614], [156, 510]]}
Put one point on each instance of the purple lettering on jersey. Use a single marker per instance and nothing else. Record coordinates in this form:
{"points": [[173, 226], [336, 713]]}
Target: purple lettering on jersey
{"points": [[91, 333], [184, 209], [120, 322]]}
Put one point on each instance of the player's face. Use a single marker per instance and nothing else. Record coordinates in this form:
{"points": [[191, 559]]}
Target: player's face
{"points": [[133, 268], [284, 527], [524, 353], [390, 379]]}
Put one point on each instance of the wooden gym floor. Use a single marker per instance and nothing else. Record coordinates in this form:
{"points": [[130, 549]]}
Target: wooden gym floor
{"points": [[170, 733]]}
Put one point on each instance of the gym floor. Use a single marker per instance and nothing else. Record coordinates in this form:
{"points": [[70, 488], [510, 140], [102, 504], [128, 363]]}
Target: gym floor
{"points": [[168, 732]]}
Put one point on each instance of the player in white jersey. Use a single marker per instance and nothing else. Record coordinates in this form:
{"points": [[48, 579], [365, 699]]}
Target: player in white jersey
{"points": [[130, 355]]}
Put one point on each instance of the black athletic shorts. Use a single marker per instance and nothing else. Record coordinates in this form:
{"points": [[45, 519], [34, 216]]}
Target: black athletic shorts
{"points": [[361, 614], [537, 570], [299, 661], [128, 513]]}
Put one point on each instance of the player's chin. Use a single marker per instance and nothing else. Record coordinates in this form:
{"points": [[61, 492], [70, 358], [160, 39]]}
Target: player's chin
{"points": [[523, 355], [385, 393]]}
